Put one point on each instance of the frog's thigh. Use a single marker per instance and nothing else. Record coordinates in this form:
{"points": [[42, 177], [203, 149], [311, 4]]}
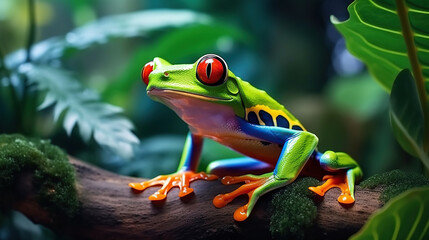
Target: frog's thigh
{"points": [[296, 151], [238, 166]]}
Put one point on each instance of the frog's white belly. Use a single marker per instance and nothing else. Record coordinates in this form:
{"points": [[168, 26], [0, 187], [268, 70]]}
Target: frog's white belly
{"points": [[216, 121]]}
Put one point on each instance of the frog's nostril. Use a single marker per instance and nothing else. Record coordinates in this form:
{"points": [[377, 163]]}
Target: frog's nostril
{"points": [[165, 74]]}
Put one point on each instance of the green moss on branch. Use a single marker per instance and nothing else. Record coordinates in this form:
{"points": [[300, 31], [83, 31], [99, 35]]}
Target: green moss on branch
{"points": [[53, 175], [394, 183], [294, 210]]}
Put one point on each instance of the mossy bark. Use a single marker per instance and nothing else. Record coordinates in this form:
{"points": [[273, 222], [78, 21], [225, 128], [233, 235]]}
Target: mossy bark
{"points": [[111, 210]]}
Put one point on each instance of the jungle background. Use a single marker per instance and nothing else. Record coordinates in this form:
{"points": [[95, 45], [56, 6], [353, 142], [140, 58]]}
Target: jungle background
{"points": [[288, 48]]}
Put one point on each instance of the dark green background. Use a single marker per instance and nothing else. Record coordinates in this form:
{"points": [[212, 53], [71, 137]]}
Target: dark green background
{"points": [[288, 48]]}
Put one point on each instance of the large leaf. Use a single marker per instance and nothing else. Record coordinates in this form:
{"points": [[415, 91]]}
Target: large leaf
{"points": [[404, 217], [373, 34], [100, 31], [82, 107], [406, 116]]}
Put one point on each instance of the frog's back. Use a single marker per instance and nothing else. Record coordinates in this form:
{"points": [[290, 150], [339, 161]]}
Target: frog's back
{"points": [[261, 109]]}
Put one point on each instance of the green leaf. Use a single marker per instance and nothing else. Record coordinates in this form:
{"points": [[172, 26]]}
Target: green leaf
{"points": [[99, 32], [193, 40], [373, 34], [404, 217], [82, 107], [406, 116]]}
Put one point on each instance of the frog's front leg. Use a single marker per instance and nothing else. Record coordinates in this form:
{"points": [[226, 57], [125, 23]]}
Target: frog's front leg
{"points": [[185, 173], [298, 147]]}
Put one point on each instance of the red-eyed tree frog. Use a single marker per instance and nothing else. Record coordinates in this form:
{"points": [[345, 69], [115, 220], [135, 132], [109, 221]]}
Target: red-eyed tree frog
{"points": [[218, 105]]}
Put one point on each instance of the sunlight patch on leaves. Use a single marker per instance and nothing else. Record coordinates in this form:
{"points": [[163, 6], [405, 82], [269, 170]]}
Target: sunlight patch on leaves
{"points": [[101, 31], [82, 107], [373, 34]]}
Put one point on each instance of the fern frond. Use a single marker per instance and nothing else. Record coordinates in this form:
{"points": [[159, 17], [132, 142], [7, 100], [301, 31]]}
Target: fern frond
{"points": [[83, 107]]}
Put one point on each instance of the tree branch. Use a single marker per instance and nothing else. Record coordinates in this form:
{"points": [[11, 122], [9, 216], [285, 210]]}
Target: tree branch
{"points": [[111, 210]]}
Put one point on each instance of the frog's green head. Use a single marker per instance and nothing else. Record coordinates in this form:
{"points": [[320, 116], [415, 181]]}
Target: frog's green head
{"points": [[207, 79]]}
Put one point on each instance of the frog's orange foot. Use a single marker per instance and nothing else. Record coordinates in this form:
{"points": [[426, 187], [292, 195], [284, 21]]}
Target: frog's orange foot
{"points": [[180, 180], [339, 181], [251, 184]]}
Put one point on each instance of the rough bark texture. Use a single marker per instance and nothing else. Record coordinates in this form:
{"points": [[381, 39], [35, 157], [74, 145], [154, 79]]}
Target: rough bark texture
{"points": [[111, 210]]}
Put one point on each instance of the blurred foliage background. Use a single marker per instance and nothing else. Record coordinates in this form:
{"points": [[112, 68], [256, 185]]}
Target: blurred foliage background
{"points": [[288, 48]]}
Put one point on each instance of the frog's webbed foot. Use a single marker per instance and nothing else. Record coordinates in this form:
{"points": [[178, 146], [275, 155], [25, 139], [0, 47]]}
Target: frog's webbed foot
{"points": [[339, 181], [254, 186], [179, 179], [346, 171]]}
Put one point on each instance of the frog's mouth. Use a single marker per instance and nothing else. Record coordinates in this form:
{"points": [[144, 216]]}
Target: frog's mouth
{"points": [[170, 93]]}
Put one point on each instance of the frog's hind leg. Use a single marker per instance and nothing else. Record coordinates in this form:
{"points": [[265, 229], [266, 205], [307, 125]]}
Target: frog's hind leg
{"points": [[345, 171], [238, 166]]}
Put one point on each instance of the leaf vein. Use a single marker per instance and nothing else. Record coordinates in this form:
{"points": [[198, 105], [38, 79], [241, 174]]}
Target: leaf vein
{"points": [[405, 132], [425, 230], [413, 144], [369, 44], [397, 225], [416, 222], [374, 26], [417, 11], [423, 50], [381, 7]]}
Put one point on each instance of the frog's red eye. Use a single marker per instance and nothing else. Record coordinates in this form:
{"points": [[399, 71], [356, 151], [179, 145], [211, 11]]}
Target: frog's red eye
{"points": [[147, 69], [212, 70]]}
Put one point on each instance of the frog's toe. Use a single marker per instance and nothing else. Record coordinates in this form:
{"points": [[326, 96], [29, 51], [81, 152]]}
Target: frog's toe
{"points": [[220, 201], [184, 191], [322, 189], [136, 186], [241, 213], [346, 198], [161, 194], [228, 180], [317, 191], [203, 176], [157, 196], [326, 177]]}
